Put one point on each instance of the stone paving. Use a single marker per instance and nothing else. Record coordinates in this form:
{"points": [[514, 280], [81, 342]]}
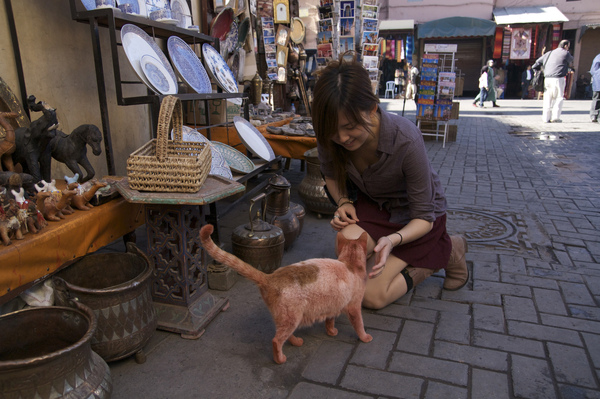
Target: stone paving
{"points": [[527, 325]]}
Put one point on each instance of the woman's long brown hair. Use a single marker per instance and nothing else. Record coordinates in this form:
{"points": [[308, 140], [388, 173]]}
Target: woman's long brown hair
{"points": [[342, 87]]}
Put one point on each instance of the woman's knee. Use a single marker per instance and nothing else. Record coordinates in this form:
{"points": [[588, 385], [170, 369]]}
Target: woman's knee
{"points": [[374, 301]]}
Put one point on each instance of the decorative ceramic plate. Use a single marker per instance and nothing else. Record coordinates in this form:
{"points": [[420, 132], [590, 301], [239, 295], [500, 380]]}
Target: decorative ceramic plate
{"points": [[137, 44], [188, 65], [138, 6], [220, 72], [89, 4], [243, 29], [181, 12], [253, 139], [231, 40], [220, 25], [219, 165], [157, 75], [237, 161], [189, 134], [298, 30]]}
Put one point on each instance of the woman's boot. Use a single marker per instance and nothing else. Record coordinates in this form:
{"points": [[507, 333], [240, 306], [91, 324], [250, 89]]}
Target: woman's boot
{"points": [[415, 276], [457, 273]]}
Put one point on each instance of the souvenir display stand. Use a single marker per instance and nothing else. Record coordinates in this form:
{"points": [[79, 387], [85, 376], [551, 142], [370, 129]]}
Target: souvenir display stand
{"points": [[435, 107], [173, 222]]}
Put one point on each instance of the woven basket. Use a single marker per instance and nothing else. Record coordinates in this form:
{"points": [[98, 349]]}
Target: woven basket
{"points": [[169, 165]]}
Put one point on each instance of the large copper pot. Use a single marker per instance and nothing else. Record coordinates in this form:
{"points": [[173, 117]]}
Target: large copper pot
{"points": [[117, 288], [45, 352], [278, 209], [312, 187], [258, 242]]}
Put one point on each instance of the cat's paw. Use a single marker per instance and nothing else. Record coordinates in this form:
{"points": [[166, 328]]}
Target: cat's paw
{"points": [[279, 358], [332, 332], [295, 340], [366, 338]]}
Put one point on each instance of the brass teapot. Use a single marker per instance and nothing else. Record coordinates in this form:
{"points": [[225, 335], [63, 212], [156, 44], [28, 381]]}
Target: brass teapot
{"points": [[259, 243]]}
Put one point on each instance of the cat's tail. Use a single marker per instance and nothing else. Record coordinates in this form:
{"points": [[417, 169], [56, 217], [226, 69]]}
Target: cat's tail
{"points": [[228, 259]]}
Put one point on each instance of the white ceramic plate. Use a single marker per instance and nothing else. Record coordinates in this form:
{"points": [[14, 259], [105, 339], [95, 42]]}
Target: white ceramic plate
{"points": [[219, 165], [181, 12], [188, 65], [153, 5], [157, 75], [220, 72], [137, 44], [253, 139], [237, 161], [168, 21]]}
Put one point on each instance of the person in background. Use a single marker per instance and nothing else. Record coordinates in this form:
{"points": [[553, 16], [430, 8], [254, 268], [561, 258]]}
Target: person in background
{"points": [[483, 85], [491, 86], [595, 71], [556, 64], [398, 74], [411, 88], [378, 174], [526, 77]]}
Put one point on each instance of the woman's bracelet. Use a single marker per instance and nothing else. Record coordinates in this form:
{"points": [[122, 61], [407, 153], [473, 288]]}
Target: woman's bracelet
{"points": [[344, 203], [341, 198], [401, 238]]}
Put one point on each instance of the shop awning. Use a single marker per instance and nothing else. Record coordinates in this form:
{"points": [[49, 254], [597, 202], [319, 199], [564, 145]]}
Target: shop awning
{"points": [[456, 27], [397, 24], [584, 28], [528, 15]]}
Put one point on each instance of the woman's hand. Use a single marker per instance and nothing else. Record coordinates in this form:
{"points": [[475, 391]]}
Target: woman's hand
{"points": [[382, 252], [343, 216]]}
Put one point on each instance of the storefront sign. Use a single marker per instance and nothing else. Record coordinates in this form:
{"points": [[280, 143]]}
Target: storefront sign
{"points": [[440, 48]]}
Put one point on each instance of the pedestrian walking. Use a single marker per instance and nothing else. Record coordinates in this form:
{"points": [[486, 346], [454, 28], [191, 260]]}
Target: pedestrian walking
{"points": [[555, 64], [491, 90], [595, 71], [378, 175], [411, 88], [483, 85], [526, 77]]}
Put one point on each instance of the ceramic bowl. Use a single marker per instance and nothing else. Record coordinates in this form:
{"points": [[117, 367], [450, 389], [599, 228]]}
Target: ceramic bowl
{"points": [[105, 3], [221, 24]]}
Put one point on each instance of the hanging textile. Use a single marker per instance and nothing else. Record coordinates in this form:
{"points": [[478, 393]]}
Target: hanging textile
{"points": [[498, 43], [399, 51], [555, 35], [409, 48], [382, 48], [506, 44]]}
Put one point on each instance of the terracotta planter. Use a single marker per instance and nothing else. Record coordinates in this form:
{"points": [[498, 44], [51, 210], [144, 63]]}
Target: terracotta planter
{"points": [[116, 286], [46, 353]]}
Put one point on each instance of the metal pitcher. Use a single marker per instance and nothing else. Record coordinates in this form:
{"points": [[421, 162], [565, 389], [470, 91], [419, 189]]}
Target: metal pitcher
{"points": [[278, 211]]}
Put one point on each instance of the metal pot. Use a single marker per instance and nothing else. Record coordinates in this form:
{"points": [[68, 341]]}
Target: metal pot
{"points": [[45, 353], [278, 209], [258, 243], [311, 189], [299, 211], [116, 286]]}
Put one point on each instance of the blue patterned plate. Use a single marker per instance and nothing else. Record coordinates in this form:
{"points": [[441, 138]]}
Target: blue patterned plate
{"points": [[237, 161], [181, 12], [188, 65], [219, 165], [219, 70], [138, 6], [137, 44], [157, 75]]}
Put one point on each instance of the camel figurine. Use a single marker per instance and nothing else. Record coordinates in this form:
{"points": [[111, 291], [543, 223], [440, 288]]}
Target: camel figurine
{"points": [[71, 149], [54, 209], [8, 145], [32, 141], [82, 199], [9, 223], [35, 219], [44, 186]]}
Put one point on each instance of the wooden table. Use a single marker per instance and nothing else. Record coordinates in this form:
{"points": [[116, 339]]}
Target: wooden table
{"points": [[173, 223]]}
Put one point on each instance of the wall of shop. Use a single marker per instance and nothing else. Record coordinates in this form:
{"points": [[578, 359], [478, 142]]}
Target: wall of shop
{"points": [[58, 68]]}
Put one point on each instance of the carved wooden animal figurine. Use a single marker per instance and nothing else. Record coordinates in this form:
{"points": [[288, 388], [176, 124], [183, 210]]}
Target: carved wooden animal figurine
{"points": [[72, 151], [7, 227], [53, 208], [35, 219], [81, 200], [16, 210], [31, 142], [43, 186], [7, 146]]}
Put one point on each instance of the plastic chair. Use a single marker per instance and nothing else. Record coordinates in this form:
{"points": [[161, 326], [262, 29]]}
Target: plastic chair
{"points": [[389, 87]]}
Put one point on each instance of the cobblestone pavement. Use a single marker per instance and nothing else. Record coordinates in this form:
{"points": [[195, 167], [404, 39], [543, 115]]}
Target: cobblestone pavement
{"points": [[527, 325]]}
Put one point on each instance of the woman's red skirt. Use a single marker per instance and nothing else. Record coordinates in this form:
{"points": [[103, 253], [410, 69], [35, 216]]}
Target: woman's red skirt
{"points": [[432, 251]]}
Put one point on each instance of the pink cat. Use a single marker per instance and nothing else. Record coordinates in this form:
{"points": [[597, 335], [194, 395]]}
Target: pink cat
{"points": [[309, 291]]}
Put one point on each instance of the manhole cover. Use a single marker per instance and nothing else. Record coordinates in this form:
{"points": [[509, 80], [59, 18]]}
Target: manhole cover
{"points": [[480, 226]]}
